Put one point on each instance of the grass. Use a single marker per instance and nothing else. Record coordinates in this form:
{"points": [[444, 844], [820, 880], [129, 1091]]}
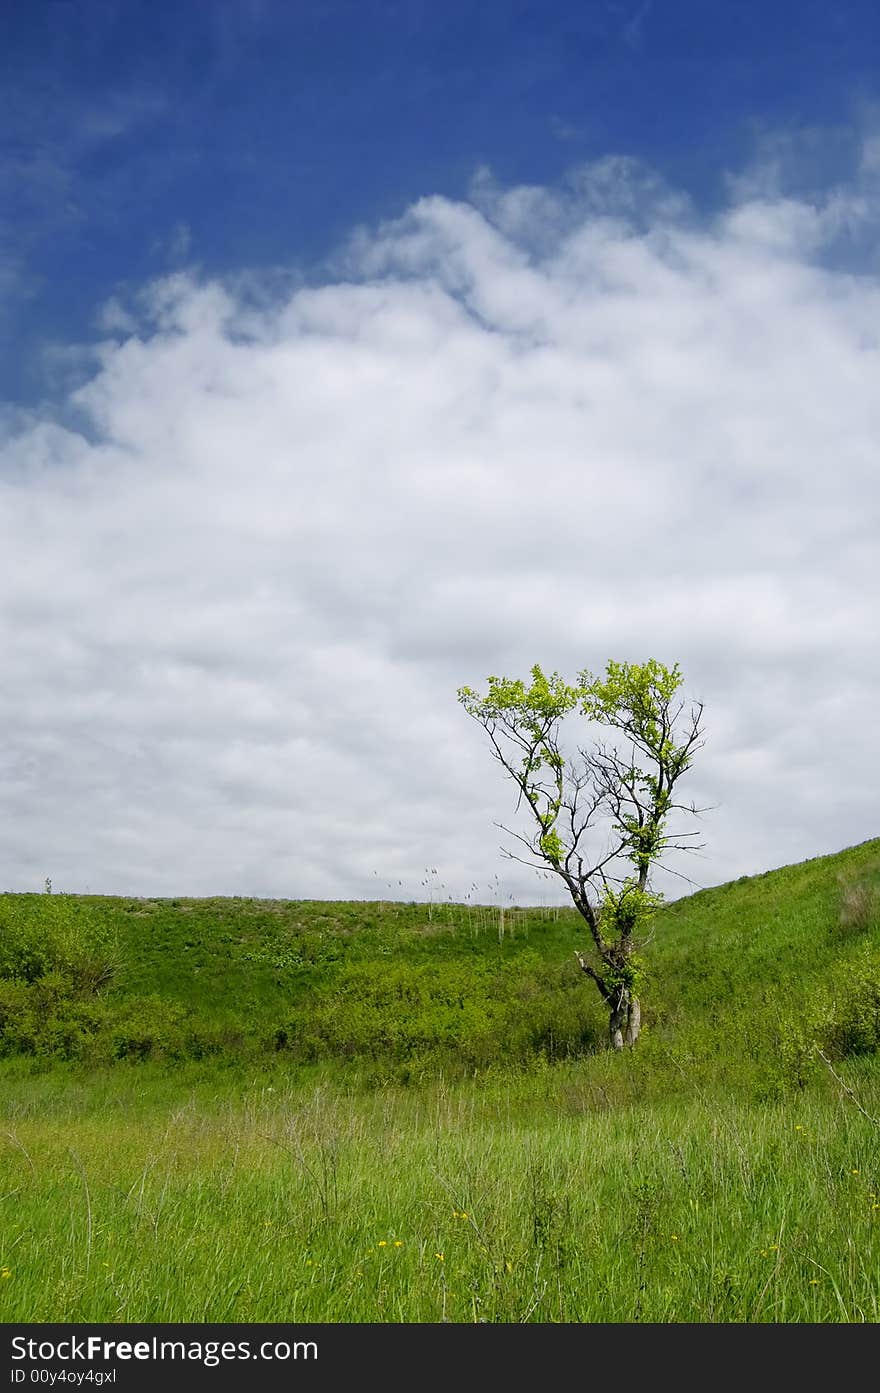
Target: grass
{"points": [[283, 1111], [152, 1198]]}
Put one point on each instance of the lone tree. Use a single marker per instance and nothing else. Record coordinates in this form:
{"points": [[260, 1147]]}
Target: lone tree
{"points": [[625, 782]]}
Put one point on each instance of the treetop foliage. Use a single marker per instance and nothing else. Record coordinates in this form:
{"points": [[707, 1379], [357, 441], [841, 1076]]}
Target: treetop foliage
{"points": [[548, 698]]}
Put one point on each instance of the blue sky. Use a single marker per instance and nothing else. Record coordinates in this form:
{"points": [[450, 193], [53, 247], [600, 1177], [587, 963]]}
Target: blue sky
{"points": [[239, 133], [350, 353]]}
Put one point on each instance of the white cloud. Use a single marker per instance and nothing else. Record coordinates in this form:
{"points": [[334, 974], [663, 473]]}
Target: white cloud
{"points": [[543, 425]]}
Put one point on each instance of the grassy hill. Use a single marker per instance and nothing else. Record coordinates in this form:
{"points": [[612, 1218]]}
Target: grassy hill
{"points": [[743, 978], [234, 1110]]}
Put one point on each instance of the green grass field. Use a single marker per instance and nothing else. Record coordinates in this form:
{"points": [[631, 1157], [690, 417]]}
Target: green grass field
{"points": [[232, 1110]]}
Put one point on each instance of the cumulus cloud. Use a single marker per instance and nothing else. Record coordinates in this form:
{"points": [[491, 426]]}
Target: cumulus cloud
{"points": [[554, 425]]}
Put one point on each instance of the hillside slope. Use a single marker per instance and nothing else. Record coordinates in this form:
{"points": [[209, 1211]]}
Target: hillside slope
{"points": [[743, 979]]}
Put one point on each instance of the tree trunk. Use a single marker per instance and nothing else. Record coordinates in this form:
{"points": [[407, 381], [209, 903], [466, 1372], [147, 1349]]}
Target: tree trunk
{"points": [[625, 1022], [618, 1021], [634, 1021]]}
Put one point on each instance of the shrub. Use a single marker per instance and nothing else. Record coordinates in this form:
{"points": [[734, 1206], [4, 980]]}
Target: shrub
{"points": [[149, 1028], [41, 934], [416, 1021], [853, 1026], [19, 1028], [843, 1020], [859, 908]]}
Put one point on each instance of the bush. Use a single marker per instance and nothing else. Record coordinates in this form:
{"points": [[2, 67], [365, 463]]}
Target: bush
{"points": [[54, 958], [854, 1023], [19, 1027], [40, 934], [843, 1021], [475, 1015], [859, 908], [150, 1028]]}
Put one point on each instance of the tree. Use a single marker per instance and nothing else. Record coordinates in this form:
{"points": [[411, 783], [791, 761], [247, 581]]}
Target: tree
{"points": [[625, 782]]}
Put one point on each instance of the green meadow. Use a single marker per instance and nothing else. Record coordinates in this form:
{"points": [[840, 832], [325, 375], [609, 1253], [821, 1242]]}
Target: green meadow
{"points": [[241, 1110]]}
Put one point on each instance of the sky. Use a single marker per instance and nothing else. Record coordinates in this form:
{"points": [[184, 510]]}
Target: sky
{"points": [[350, 354]]}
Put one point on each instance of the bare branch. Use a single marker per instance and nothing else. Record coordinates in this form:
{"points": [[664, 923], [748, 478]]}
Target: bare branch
{"points": [[509, 856], [679, 874], [593, 975]]}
